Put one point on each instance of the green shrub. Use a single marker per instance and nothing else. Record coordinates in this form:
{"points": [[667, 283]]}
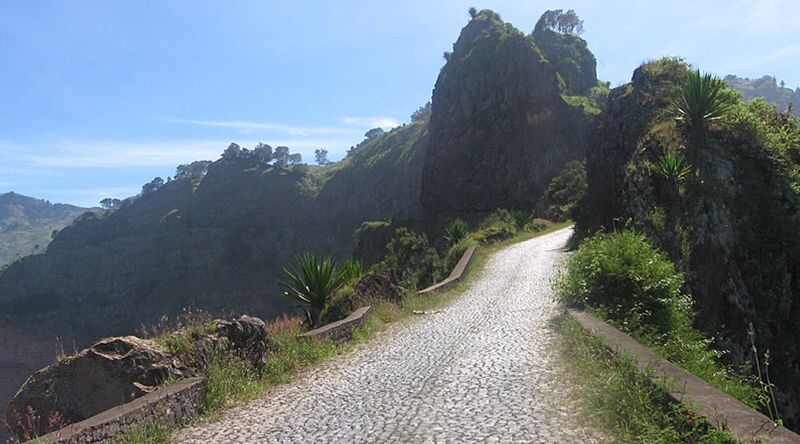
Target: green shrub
{"points": [[520, 218], [566, 191], [455, 231], [414, 261], [537, 225], [621, 274], [499, 225], [673, 167], [455, 252], [352, 270], [623, 279]]}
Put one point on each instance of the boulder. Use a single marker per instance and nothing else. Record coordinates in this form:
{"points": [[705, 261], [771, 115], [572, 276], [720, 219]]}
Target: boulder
{"points": [[111, 372], [374, 286], [244, 336], [248, 337], [382, 285]]}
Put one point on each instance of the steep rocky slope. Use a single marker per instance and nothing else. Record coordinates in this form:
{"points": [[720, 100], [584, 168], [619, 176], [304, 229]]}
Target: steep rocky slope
{"points": [[498, 132], [26, 224], [767, 88], [735, 228], [500, 129]]}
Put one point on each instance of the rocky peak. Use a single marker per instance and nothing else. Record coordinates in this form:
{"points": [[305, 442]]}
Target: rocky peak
{"points": [[571, 58], [499, 128]]}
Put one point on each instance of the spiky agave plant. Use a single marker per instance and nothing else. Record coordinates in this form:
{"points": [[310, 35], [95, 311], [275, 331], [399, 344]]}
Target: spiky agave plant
{"points": [[311, 281], [701, 100], [455, 231], [352, 270], [673, 167]]}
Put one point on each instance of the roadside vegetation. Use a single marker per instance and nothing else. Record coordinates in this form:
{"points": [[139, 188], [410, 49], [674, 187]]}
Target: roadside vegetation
{"points": [[622, 279], [621, 400], [319, 283]]}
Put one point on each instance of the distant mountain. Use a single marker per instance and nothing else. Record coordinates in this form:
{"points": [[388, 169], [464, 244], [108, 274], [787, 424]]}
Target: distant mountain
{"points": [[767, 87], [27, 224]]}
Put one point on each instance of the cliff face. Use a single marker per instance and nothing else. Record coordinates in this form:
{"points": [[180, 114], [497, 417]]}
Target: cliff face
{"points": [[736, 228], [499, 129], [26, 224]]}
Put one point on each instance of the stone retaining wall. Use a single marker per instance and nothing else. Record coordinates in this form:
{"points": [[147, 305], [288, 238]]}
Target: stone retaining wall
{"points": [[342, 330], [174, 404], [722, 410], [455, 275]]}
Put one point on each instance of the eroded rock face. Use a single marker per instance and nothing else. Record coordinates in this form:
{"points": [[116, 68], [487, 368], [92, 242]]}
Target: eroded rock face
{"points": [[111, 372], [247, 336], [499, 128]]}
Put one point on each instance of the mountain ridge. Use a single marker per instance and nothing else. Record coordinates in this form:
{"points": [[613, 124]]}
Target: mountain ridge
{"points": [[27, 224]]}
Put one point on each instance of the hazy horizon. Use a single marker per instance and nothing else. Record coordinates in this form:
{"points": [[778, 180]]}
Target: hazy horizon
{"points": [[100, 97]]}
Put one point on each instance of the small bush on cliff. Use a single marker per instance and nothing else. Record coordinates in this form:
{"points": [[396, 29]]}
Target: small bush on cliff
{"points": [[672, 166], [499, 225], [456, 251], [312, 281], [777, 131], [455, 231], [413, 260]]}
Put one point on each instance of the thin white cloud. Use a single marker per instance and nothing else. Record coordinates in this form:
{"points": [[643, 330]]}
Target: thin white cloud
{"points": [[371, 122], [97, 192], [115, 154], [251, 127]]}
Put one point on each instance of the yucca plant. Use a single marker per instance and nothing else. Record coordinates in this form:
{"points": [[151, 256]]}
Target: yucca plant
{"points": [[312, 281], [701, 100], [455, 231], [672, 166], [352, 270]]}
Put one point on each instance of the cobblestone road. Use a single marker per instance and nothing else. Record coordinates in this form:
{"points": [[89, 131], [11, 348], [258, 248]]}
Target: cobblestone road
{"points": [[481, 370]]}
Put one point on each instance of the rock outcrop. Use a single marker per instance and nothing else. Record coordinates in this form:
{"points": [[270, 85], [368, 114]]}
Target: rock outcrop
{"points": [[500, 129], [111, 372], [735, 230], [245, 337], [117, 370], [381, 286]]}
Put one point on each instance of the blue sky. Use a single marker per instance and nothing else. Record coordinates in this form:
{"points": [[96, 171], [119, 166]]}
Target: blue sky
{"points": [[98, 97]]}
